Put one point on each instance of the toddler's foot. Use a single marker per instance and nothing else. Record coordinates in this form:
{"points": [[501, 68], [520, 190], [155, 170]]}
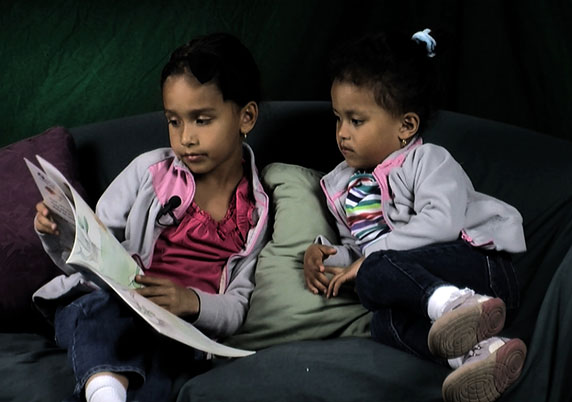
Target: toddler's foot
{"points": [[487, 371], [465, 322]]}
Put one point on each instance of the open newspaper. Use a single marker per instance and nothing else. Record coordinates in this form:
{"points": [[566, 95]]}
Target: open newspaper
{"points": [[94, 251]]}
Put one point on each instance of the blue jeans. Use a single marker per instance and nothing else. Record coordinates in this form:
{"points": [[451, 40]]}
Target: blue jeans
{"points": [[396, 286], [100, 333]]}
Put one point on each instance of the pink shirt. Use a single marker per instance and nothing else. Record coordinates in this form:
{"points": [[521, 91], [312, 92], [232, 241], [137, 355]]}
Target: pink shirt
{"points": [[194, 253]]}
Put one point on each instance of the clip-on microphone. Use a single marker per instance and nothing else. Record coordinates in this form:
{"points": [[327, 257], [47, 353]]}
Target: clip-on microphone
{"points": [[168, 209]]}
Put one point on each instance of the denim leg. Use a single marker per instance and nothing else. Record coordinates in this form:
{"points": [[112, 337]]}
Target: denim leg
{"points": [[100, 333], [170, 365], [402, 330], [396, 285]]}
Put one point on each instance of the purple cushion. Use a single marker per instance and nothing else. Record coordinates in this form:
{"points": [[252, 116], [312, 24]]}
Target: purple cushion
{"points": [[24, 266]]}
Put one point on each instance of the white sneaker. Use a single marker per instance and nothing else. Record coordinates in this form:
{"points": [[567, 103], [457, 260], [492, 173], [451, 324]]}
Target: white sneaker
{"points": [[466, 321], [488, 369]]}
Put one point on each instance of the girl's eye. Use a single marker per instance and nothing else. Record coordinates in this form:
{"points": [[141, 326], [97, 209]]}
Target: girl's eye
{"points": [[173, 122], [203, 121], [357, 122]]}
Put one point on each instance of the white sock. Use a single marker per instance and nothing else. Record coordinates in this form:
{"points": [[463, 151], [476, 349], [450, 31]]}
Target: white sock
{"points": [[456, 362], [439, 298], [105, 388], [444, 295]]}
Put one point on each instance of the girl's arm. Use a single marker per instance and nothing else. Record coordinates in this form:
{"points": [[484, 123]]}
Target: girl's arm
{"points": [[221, 315], [430, 199], [346, 252], [115, 204]]}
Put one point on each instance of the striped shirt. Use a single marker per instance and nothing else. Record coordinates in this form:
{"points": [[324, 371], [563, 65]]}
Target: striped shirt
{"points": [[363, 208]]}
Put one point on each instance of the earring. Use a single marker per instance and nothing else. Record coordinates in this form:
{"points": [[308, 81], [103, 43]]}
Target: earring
{"points": [[402, 142], [243, 135]]}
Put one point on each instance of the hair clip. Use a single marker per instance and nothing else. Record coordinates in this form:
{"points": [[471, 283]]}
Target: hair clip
{"points": [[423, 36]]}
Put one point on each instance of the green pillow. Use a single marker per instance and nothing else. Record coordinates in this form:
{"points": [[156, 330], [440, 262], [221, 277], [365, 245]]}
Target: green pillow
{"points": [[281, 307]]}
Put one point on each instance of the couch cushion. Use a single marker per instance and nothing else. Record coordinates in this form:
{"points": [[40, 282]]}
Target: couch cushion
{"points": [[24, 266], [32, 368], [344, 369], [281, 308]]}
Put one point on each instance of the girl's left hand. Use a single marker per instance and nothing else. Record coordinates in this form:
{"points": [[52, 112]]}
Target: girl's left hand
{"points": [[341, 276], [175, 298]]}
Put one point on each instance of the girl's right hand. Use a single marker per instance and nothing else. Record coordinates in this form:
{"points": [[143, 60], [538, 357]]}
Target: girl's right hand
{"points": [[314, 270], [43, 221]]}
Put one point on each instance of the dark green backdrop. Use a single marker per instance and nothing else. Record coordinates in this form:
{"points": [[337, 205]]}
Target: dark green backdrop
{"points": [[74, 62]]}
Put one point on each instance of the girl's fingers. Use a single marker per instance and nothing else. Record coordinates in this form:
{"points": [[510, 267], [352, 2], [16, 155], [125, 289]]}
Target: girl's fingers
{"points": [[328, 250], [319, 286], [334, 270], [311, 287], [331, 287], [335, 284], [150, 280], [46, 225]]}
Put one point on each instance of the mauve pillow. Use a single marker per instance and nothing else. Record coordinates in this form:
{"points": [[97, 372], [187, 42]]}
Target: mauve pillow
{"points": [[24, 266]]}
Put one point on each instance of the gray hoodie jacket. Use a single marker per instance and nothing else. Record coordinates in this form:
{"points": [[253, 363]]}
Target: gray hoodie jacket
{"points": [[129, 208], [427, 198]]}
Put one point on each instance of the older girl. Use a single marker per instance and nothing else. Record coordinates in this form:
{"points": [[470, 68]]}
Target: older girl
{"points": [[198, 252]]}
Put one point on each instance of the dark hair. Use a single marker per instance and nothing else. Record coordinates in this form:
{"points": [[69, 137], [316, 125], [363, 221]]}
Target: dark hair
{"points": [[397, 68], [219, 58]]}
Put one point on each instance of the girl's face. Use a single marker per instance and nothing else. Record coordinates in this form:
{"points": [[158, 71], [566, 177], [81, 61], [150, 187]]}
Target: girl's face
{"points": [[204, 130], [366, 133]]}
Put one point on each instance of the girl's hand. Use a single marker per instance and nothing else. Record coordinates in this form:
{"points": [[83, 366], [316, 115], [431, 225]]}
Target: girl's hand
{"points": [[314, 270], [44, 222], [175, 298], [341, 276]]}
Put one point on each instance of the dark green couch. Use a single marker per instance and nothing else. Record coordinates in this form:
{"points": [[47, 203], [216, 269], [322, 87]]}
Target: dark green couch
{"points": [[529, 170]]}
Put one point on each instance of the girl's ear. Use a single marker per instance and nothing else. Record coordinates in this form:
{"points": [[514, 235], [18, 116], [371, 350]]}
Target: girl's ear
{"points": [[248, 116], [409, 126]]}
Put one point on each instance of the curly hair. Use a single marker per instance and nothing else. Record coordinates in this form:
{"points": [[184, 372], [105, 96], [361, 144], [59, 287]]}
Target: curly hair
{"points": [[397, 68]]}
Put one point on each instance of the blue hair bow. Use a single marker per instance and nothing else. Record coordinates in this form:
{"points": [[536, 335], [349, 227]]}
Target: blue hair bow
{"points": [[423, 36]]}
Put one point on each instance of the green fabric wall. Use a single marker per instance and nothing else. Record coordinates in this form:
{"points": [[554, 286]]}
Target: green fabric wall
{"points": [[74, 62]]}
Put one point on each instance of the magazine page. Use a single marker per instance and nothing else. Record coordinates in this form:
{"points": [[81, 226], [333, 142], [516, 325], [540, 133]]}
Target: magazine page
{"points": [[109, 265], [58, 202], [54, 197], [163, 321], [170, 325], [58, 178], [98, 249]]}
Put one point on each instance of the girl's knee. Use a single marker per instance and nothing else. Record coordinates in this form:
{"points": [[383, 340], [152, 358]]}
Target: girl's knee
{"points": [[369, 280], [374, 270]]}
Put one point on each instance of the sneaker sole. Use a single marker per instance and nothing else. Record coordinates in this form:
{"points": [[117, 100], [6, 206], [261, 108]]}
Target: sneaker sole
{"points": [[457, 331], [486, 380]]}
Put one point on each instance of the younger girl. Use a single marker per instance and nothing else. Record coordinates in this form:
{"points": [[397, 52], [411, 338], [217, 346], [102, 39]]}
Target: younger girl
{"points": [[430, 256], [199, 256]]}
